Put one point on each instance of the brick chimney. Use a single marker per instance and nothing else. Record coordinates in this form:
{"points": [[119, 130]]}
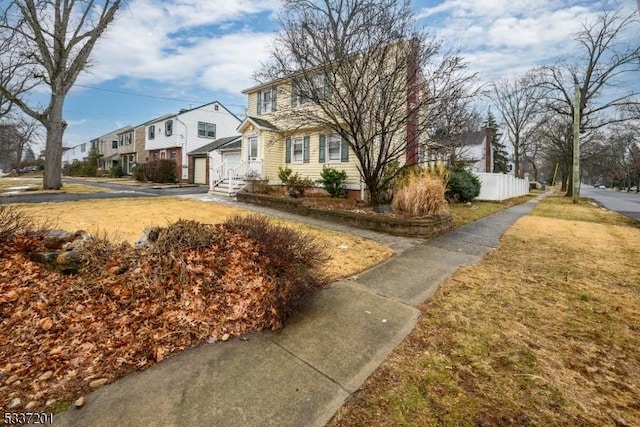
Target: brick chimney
{"points": [[488, 150], [413, 133]]}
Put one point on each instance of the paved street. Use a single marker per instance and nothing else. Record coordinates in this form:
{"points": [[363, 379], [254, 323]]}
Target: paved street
{"points": [[627, 204]]}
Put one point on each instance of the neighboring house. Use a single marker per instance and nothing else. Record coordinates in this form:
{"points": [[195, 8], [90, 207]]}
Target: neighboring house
{"points": [[126, 150], [474, 148], [77, 153], [107, 145], [202, 159], [172, 137], [140, 139]]}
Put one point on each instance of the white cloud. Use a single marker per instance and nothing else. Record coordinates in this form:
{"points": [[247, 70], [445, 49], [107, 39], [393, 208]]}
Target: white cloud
{"points": [[501, 37], [175, 43]]}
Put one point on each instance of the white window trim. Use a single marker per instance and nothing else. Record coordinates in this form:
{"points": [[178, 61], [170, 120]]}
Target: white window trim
{"points": [[334, 137], [206, 130], [267, 107], [300, 140]]}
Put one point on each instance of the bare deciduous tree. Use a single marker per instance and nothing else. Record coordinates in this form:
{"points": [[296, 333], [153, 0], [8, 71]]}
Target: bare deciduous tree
{"points": [[16, 136], [518, 101], [365, 67], [609, 52], [48, 43]]}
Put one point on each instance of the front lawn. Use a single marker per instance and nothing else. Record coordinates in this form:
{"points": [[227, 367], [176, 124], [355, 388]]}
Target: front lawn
{"points": [[11, 186], [544, 331], [464, 213], [125, 219]]}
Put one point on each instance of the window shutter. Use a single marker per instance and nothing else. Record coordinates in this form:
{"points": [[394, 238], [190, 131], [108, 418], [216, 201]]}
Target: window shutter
{"points": [[344, 151], [259, 103], [321, 151], [274, 98], [305, 150], [287, 151]]}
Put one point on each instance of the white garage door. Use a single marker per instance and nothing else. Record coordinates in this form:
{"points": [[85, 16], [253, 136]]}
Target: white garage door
{"points": [[200, 171], [233, 159]]}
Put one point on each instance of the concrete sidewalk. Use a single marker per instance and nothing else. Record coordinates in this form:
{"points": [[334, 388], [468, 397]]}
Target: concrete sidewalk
{"points": [[302, 374]]}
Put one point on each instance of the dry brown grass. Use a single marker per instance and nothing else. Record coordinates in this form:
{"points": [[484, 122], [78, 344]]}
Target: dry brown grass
{"points": [[125, 219], [465, 213], [33, 185], [544, 331]]}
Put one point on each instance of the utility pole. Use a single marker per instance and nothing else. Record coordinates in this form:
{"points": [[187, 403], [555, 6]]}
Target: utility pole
{"points": [[576, 145]]}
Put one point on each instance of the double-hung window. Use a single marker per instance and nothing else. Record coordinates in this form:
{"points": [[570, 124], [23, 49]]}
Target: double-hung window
{"points": [[305, 91], [168, 128], [206, 130], [297, 149], [334, 146], [267, 100], [114, 144], [333, 149], [298, 94], [152, 132]]}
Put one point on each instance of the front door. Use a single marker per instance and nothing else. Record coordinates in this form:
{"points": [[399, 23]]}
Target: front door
{"points": [[200, 170]]}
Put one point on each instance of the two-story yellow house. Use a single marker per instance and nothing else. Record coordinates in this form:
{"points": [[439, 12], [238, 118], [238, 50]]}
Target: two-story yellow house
{"points": [[284, 129], [271, 139]]}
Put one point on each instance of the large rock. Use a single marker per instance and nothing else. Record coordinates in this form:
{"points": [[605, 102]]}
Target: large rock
{"points": [[43, 257], [79, 241], [55, 239], [69, 262]]}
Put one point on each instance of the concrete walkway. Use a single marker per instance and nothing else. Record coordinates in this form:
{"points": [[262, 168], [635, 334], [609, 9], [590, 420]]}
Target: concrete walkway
{"points": [[301, 375]]}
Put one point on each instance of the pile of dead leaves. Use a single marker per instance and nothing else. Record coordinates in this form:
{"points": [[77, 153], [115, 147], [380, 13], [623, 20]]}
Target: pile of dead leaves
{"points": [[61, 336]]}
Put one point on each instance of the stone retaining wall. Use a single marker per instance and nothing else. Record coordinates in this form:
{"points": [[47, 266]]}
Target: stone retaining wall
{"points": [[412, 227]]}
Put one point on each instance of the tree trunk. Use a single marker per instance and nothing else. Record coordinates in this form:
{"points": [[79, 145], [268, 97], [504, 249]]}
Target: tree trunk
{"points": [[535, 171], [52, 179], [569, 185]]}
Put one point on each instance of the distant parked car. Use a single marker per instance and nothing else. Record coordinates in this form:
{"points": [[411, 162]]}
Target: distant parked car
{"points": [[634, 188], [602, 186], [31, 169]]}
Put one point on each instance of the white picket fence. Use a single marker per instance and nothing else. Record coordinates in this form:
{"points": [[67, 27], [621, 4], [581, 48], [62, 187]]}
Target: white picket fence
{"points": [[498, 186]]}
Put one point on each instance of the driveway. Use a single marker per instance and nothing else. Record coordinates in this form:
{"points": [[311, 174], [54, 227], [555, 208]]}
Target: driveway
{"points": [[117, 191], [627, 204]]}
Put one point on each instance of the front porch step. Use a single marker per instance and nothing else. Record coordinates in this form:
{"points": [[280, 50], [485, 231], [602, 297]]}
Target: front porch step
{"points": [[222, 189]]}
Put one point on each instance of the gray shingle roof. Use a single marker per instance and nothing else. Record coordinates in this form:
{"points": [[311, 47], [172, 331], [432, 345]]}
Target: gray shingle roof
{"points": [[218, 143]]}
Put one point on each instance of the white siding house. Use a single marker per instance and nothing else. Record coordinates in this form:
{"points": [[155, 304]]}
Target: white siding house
{"points": [[172, 137], [77, 153]]}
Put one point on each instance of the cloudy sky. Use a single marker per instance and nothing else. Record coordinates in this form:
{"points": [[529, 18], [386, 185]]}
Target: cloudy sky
{"points": [[160, 56]]}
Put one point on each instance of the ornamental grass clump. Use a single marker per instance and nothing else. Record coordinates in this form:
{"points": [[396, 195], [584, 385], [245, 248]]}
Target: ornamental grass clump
{"points": [[421, 193]]}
